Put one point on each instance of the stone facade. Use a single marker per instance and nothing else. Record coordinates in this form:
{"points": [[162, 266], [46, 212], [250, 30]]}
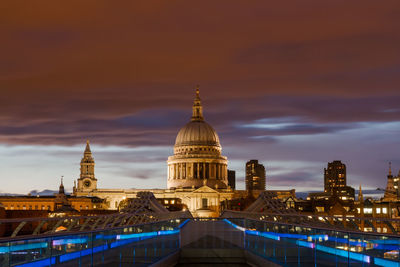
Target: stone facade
{"points": [[197, 172]]}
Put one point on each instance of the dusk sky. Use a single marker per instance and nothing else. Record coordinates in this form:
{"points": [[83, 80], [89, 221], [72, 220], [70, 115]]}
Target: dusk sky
{"points": [[294, 84]]}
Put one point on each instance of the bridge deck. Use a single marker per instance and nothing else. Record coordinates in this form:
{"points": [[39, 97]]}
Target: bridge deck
{"points": [[198, 242]]}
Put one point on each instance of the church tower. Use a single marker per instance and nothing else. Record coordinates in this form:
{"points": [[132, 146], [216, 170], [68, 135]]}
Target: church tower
{"points": [[390, 193], [87, 181]]}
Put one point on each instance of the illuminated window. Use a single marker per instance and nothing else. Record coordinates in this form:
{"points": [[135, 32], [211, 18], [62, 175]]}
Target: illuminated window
{"points": [[378, 210], [172, 201], [384, 210], [358, 210], [368, 210]]}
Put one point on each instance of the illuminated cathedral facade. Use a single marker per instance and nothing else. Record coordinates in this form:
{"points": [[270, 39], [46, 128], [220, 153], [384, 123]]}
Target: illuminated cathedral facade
{"points": [[197, 172]]}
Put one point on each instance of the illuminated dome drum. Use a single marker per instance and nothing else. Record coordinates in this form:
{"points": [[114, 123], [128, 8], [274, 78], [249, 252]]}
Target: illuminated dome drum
{"points": [[197, 158]]}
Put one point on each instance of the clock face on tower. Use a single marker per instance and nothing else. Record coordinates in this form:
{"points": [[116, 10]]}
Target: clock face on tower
{"points": [[86, 183]]}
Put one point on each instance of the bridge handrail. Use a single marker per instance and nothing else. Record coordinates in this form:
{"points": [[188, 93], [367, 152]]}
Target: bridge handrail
{"points": [[72, 223], [311, 215], [64, 233]]}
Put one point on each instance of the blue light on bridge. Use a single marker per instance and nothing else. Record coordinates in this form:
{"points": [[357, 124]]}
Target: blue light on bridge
{"points": [[23, 247], [183, 224], [386, 263]]}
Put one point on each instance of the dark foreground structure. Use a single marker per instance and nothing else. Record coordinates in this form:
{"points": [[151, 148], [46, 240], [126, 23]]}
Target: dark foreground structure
{"points": [[146, 234]]}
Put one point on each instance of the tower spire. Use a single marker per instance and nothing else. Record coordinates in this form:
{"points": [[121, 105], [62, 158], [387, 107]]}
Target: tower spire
{"points": [[87, 149], [197, 107], [360, 195], [390, 168], [61, 189]]}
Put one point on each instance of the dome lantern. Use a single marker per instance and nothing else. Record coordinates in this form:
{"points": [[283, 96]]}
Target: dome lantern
{"points": [[197, 107]]}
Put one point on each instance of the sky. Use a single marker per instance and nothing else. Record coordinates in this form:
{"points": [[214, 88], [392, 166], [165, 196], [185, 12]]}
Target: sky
{"points": [[294, 84]]}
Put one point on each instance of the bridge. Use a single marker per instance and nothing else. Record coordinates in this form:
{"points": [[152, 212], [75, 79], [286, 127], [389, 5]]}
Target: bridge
{"points": [[146, 234]]}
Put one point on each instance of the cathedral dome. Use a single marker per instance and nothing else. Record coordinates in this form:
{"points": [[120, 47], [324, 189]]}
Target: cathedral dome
{"points": [[197, 159], [197, 133]]}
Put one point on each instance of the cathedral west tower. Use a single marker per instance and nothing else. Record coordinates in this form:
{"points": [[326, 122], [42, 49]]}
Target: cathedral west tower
{"points": [[87, 181], [197, 158]]}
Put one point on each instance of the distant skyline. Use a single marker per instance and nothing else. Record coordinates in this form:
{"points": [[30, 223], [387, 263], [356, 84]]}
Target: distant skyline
{"points": [[293, 85]]}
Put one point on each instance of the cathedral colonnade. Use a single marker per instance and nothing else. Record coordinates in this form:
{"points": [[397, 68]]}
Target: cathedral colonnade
{"points": [[198, 170]]}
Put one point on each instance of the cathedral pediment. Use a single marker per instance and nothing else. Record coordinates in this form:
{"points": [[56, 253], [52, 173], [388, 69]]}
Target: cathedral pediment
{"points": [[205, 189]]}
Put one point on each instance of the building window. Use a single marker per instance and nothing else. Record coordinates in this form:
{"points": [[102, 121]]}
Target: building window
{"points": [[43, 208], [368, 210], [378, 210], [36, 207], [384, 210], [172, 201], [24, 207]]}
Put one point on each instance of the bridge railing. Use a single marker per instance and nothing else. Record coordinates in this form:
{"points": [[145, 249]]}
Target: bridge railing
{"points": [[138, 244], [350, 223], [301, 245], [10, 228]]}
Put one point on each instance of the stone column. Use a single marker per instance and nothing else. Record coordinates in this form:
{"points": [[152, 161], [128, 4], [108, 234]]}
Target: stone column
{"points": [[174, 170], [198, 170], [204, 170]]}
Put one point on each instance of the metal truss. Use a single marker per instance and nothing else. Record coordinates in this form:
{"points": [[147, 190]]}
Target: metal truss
{"points": [[144, 209], [269, 208]]}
